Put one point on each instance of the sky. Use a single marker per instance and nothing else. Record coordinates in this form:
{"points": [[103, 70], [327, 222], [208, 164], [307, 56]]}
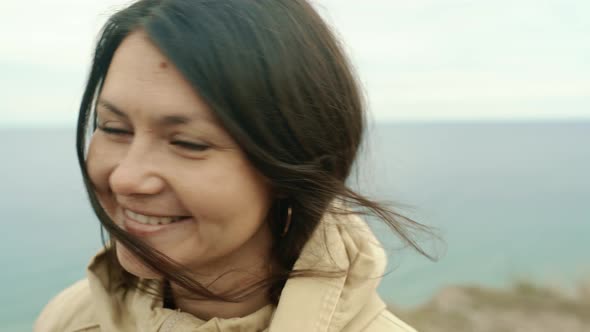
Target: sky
{"points": [[418, 60]]}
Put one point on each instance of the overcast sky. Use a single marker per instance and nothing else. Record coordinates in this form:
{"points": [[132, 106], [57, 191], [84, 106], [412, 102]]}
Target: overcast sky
{"points": [[419, 60]]}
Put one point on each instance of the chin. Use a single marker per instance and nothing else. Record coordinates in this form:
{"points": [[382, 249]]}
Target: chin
{"points": [[133, 264]]}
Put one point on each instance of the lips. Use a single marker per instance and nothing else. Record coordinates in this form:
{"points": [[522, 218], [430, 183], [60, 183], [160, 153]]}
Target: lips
{"points": [[143, 225]]}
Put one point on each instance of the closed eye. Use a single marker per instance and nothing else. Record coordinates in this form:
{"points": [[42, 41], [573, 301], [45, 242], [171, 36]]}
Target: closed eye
{"points": [[114, 131], [182, 144], [190, 146]]}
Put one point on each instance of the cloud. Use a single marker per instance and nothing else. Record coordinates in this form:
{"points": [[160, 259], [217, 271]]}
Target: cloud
{"points": [[446, 59], [474, 59]]}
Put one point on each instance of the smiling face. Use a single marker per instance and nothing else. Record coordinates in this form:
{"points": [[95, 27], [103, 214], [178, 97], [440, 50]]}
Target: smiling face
{"points": [[166, 171]]}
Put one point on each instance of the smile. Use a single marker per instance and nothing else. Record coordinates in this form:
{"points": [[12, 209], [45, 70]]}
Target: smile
{"points": [[151, 220]]}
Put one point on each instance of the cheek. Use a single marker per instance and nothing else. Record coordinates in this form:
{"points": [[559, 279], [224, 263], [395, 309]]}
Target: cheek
{"points": [[226, 190], [101, 161], [97, 164], [255, 192], [244, 194]]}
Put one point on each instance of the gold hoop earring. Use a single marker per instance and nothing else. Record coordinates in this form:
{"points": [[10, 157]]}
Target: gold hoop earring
{"points": [[288, 223]]}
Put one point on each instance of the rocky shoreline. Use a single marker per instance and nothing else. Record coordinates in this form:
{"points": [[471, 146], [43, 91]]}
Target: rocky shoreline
{"points": [[523, 307]]}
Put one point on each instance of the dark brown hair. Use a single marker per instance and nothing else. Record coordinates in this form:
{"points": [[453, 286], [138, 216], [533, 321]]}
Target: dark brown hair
{"points": [[278, 81]]}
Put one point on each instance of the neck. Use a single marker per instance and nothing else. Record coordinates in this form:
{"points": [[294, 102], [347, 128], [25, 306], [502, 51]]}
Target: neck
{"points": [[208, 309]]}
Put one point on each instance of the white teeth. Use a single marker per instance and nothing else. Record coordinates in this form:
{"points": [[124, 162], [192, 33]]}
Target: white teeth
{"points": [[150, 220]]}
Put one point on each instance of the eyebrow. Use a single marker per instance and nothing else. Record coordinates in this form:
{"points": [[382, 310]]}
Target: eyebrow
{"points": [[166, 120]]}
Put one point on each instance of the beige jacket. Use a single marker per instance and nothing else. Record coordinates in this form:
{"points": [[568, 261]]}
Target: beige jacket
{"points": [[345, 304]]}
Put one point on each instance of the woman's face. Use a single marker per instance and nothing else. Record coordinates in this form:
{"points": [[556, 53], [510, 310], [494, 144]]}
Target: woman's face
{"points": [[159, 155]]}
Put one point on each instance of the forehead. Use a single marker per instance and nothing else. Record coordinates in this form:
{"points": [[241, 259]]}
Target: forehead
{"points": [[141, 79]]}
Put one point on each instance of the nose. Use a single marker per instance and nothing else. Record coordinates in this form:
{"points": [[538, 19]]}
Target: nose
{"points": [[136, 173]]}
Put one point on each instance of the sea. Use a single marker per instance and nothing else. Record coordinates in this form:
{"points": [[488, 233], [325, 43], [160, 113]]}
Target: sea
{"points": [[508, 201]]}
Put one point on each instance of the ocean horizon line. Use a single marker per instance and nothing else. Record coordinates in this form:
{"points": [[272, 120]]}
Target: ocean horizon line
{"points": [[371, 121]]}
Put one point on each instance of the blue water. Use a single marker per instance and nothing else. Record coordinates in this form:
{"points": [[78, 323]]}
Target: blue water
{"points": [[510, 200]]}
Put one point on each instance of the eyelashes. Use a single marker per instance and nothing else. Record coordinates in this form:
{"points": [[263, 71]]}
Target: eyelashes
{"points": [[114, 131], [191, 146]]}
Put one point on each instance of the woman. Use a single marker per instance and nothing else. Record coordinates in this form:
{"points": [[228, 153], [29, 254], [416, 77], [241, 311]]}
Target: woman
{"points": [[220, 136]]}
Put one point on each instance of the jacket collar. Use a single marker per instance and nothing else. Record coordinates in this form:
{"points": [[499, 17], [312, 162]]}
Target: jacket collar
{"points": [[311, 304], [347, 302]]}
